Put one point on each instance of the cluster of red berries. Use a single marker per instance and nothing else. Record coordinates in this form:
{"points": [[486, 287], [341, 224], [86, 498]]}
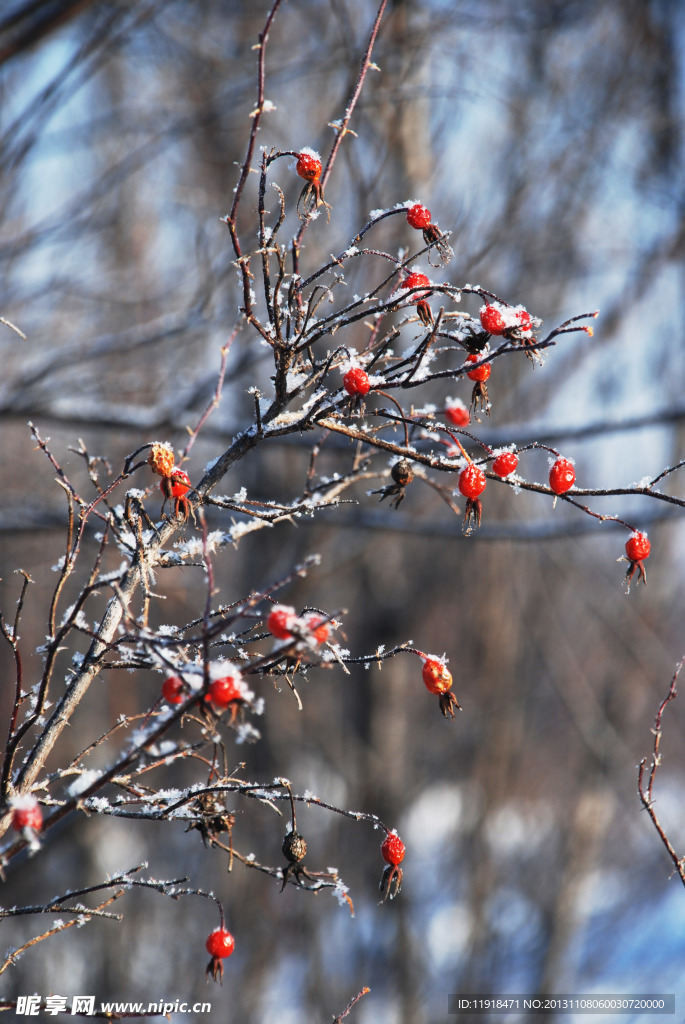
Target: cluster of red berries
{"points": [[512, 322], [285, 624]]}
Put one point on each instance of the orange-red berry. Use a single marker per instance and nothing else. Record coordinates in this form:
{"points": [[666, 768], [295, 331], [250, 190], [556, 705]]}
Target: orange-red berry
{"points": [[472, 481], [220, 943], [524, 319], [458, 414], [492, 320], [317, 626], [392, 849], [481, 373], [26, 813], [309, 165], [222, 691], [416, 280], [505, 463], [177, 484], [280, 621], [638, 547], [356, 381], [562, 476], [436, 676], [173, 690], [418, 217]]}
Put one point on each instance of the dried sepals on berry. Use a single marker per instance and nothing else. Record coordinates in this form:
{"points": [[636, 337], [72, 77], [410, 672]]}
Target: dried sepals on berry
{"points": [[402, 475], [472, 483], [418, 280], [220, 944], [419, 217], [392, 852], [175, 486], [479, 395], [309, 167], [638, 548], [294, 849], [437, 679], [211, 818]]}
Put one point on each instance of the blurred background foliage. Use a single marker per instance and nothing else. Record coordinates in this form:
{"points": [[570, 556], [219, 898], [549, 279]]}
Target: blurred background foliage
{"points": [[548, 138]]}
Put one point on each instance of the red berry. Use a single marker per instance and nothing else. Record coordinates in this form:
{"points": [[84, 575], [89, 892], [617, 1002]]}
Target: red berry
{"points": [[458, 414], [309, 165], [436, 676], [416, 280], [317, 626], [392, 849], [481, 373], [505, 463], [524, 319], [223, 691], [492, 320], [27, 814], [472, 482], [356, 381], [418, 217], [220, 944], [562, 476], [638, 547], [172, 690], [280, 621], [178, 484]]}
